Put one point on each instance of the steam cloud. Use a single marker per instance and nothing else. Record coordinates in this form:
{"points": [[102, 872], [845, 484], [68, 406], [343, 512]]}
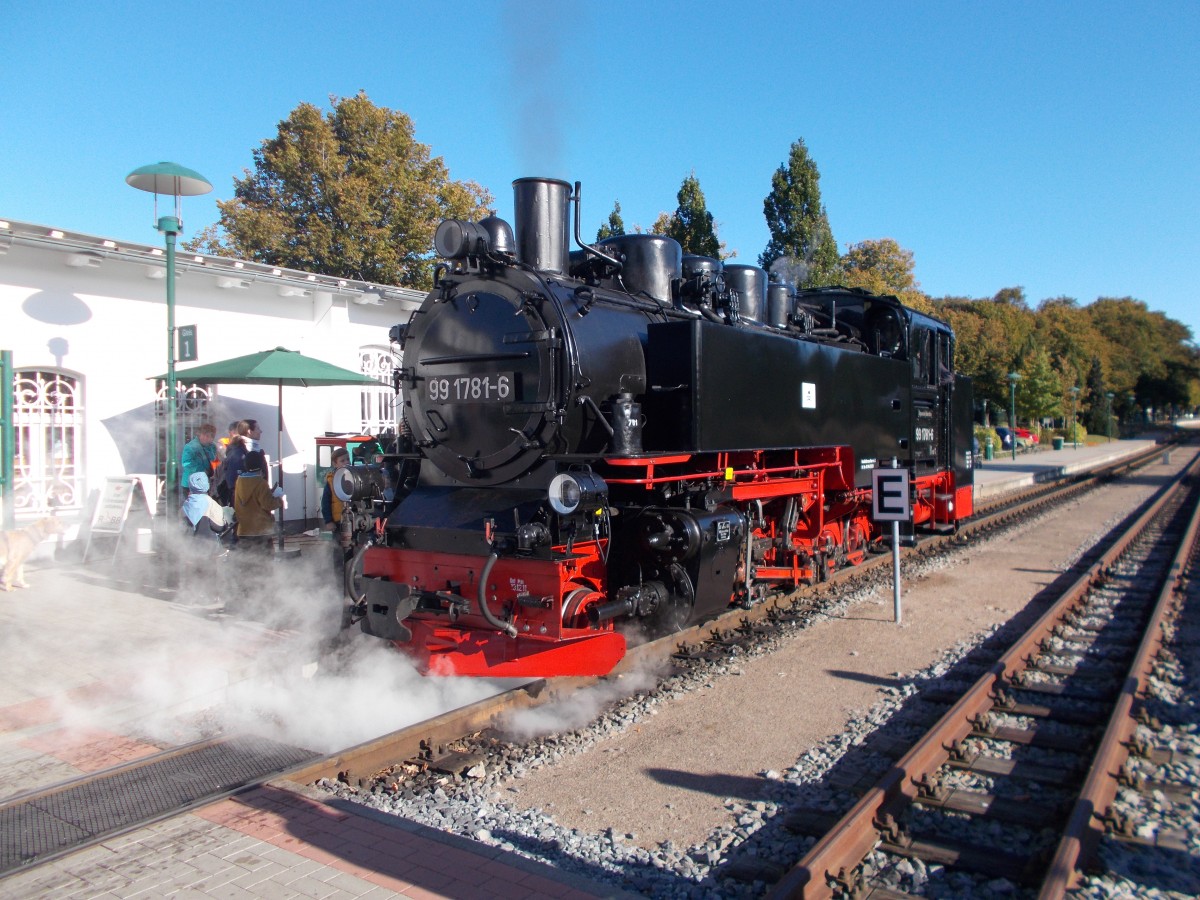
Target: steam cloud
{"points": [[535, 32], [577, 710], [791, 269], [261, 659]]}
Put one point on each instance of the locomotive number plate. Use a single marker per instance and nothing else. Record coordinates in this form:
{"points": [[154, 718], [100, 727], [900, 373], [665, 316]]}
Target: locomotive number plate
{"points": [[472, 388]]}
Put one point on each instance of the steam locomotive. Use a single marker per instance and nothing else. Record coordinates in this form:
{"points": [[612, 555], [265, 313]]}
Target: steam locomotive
{"points": [[621, 441]]}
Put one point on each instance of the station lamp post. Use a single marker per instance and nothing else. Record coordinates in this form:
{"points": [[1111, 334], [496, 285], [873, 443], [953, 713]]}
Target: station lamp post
{"points": [[1013, 378], [1108, 399], [1074, 421], [171, 180]]}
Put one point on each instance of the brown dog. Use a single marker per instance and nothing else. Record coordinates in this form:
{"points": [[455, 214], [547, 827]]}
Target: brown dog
{"points": [[15, 547]]}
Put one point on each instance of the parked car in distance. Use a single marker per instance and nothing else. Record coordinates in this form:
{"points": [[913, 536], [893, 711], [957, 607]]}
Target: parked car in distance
{"points": [[1006, 438], [1027, 434]]}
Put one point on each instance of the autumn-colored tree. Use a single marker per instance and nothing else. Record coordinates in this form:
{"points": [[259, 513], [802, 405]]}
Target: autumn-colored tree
{"points": [[884, 267], [349, 192], [1065, 330], [798, 222], [1134, 334], [992, 336]]}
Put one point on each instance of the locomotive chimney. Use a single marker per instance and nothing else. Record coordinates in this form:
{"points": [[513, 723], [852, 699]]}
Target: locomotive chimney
{"points": [[540, 208]]}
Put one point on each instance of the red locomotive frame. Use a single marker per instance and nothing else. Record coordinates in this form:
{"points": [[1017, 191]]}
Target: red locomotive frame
{"points": [[546, 600]]}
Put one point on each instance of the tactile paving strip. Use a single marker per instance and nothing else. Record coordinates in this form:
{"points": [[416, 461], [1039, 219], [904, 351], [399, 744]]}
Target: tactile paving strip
{"points": [[49, 824]]}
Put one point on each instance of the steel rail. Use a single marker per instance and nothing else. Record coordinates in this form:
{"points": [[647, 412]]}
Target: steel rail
{"points": [[1085, 825], [844, 847]]}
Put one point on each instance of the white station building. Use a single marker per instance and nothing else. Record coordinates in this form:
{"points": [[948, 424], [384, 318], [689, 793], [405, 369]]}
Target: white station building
{"points": [[85, 319]]}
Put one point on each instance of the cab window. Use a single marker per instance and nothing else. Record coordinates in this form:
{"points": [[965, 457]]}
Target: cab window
{"points": [[921, 353]]}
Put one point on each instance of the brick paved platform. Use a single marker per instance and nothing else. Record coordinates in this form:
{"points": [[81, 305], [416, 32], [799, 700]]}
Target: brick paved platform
{"points": [[88, 655], [276, 843]]}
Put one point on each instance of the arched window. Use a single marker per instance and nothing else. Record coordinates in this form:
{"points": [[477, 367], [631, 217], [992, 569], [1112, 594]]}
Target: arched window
{"points": [[192, 405], [379, 404], [48, 418]]}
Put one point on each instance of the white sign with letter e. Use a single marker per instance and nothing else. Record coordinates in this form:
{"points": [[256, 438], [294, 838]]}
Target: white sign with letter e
{"points": [[890, 503], [889, 495]]}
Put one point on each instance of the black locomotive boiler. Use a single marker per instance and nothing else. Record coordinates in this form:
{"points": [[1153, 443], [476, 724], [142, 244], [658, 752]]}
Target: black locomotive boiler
{"points": [[622, 440]]}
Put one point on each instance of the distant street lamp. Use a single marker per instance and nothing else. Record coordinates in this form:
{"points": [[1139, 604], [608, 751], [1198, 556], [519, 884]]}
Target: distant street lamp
{"points": [[1013, 378], [1074, 422], [1108, 399], [174, 180]]}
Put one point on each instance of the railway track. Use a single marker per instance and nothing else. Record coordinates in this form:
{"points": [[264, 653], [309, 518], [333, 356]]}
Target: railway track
{"points": [[1016, 781], [46, 824], [434, 741]]}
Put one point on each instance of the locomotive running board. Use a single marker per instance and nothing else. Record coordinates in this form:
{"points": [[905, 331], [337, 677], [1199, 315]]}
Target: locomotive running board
{"points": [[445, 651]]}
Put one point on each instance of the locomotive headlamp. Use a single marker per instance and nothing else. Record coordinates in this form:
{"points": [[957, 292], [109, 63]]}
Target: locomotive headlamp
{"points": [[571, 490], [456, 239], [359, 483]]}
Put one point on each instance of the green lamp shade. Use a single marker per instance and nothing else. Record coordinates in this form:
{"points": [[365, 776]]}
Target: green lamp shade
{"points": [[168, 178]]}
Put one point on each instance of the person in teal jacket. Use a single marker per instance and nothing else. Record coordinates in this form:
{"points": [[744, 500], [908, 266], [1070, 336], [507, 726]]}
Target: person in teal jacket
{"points": [[199, 454]]}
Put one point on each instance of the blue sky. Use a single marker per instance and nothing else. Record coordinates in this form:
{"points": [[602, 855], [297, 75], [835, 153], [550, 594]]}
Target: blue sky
{"points": [[1042, 144]]}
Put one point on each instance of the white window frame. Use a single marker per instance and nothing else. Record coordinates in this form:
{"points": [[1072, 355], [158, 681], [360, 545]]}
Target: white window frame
{"points": [[48, 423]]}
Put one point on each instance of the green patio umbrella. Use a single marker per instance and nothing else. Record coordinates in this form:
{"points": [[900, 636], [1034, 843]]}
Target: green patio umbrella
{"points": [[280, 367]]}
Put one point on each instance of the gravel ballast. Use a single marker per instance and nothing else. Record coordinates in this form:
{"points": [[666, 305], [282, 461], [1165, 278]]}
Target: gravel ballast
{"points": [[686, 790]]}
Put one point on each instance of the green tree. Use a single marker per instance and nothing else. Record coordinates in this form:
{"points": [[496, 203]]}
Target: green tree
{"points": [[692, 224], [1171, 394], [798, 222], [615, 225], [1096, 419], [1039, 392], [1011, 296], [1143, 345], [349, 193], [884, 267]]}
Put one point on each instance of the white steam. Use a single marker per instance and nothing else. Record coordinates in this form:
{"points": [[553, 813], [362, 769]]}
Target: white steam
{"points": [[536, 33], [253, 645], [577, 710], [791, 269]]}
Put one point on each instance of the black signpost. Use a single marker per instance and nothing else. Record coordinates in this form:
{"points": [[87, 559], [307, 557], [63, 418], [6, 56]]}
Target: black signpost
{"points": [[890, 503]]}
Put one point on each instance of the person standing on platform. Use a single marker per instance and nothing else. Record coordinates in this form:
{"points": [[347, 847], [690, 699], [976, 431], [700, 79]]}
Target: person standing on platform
{"points": [[199, 454], [223, 443], [254, 503], [246, 441], [331, 510], [331, 506]]}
